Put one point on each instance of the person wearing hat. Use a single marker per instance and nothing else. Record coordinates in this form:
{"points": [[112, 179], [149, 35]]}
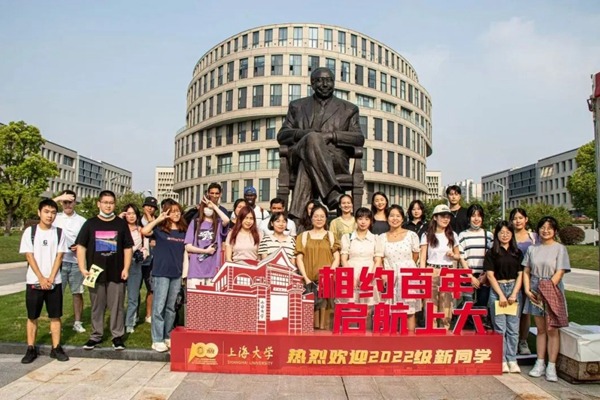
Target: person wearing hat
{"points": [[439, 249], [260, 214], [149, 210]]}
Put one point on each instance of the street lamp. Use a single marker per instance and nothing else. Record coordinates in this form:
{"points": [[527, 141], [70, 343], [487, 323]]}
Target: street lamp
{"points": [[503, 198]]}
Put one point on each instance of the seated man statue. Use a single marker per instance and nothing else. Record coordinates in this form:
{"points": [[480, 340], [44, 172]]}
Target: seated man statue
{"points": [[319, 130]]}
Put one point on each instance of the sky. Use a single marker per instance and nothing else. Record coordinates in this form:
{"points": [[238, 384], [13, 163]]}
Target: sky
{"points": [[508, 80]]}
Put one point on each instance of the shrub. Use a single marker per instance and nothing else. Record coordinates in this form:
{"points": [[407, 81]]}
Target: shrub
{"points": [[571, 235]]}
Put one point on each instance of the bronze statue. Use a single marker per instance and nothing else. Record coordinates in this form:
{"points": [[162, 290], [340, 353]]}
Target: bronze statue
{"points": [[321, 132]]}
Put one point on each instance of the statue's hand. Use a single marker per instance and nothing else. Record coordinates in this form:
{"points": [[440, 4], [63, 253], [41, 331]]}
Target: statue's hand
{"points": [[328, 137]]}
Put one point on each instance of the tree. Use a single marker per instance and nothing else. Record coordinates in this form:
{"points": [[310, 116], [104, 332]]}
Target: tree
{"points": [[23, 171], [492, 210], [88, 207], [536, 211], [582, 184]]}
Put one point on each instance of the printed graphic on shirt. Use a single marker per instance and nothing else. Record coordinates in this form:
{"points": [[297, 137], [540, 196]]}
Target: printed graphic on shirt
{"points": [[106, 242], [206, 235]]}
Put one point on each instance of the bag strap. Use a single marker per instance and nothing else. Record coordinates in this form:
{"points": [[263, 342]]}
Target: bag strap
{"points": [[33, 231]]}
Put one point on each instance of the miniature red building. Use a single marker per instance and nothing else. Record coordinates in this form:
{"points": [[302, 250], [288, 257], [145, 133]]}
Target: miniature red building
{"points": [[259, 298]]}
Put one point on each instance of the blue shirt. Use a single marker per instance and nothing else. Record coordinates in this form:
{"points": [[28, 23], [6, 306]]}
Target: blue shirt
{"points": [[168, 253]]}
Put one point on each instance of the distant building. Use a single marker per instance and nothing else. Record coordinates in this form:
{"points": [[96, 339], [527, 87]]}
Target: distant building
{"points": [[542, 182], [163, 183], [469, 190], [434, 185]]}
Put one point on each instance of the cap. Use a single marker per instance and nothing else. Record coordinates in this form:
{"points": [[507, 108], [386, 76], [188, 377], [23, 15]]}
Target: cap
{"points": [[441, 209], [151, 201], [249, 190]]}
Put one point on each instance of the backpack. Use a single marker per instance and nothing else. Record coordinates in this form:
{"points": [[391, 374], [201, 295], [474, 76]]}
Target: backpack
{"points": [[34, 230], [304, 238]]}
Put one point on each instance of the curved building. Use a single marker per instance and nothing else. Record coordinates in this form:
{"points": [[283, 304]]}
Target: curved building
{"points": [[238, 97]]}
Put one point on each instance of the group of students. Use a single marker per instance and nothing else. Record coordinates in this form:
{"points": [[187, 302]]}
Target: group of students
{"points": [[512, 265]]}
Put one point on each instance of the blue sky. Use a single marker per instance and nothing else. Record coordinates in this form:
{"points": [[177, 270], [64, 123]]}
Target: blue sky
{"points": [[508, 80]]}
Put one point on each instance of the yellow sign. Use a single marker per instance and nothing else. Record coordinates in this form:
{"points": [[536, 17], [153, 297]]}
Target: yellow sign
{"points": [[203, 351]]}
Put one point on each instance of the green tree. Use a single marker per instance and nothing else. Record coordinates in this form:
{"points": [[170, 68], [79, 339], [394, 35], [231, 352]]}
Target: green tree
{"points": [[536, 211], [492, 210], [129, 197], [87, 207], [582, 184], [23, 171], [430, 205]]}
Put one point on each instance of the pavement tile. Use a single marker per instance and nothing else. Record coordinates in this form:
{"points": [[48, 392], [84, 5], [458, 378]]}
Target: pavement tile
{"points": [[190, 390], [323, 395], [360, 384], [80, 370], [365, 396], [165, 379], [156, 394]]}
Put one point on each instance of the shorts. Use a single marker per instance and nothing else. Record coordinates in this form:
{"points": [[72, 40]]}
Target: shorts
{"points": [[35, 299], [71, 274]]}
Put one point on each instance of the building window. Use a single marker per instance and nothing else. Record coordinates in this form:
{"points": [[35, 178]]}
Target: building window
{"points": [[270, 128], [224, 163], [249, 160], [210, 106], [272, 158], [257, 96], [394, 86], [390, 131], [241, 137], [309, 90], [354, 44], [345, 73], [275, 95], [391, 168], [364, 125], [400, 165], [341, 94], [264, 189], [408, 139], [358, 74], [330, 64], [313, 63], [212, 79], [407, 166], [387, 106], [268, 37], [207, 165], [255, 39], [235, 189], [242, 95], [293, 92], [383, 83], [229, 100], [341, 41], [298, 36], [365, 101], [295, 64], [243, 68], [372, 80], [313, 37], [220, 76], [403, 90], [378, 128], [244, 42], [229, 134], [277, 64], [259, 66], [328, 39], [377, 160], [219, 103], [283, 36], [363, 48], [255, 135], [230, 71]]}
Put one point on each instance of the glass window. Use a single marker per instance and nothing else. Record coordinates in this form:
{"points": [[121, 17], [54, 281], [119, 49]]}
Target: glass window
{"points": [[377, 160], [224, 163], [249, 160], [390, 131], [255, 135], [298, 36], [403, 90], [257, 96], [364, 126], [268, 37], [277, 64], [283, 36], [242, 96], [400, 165], [207, 165], [241, 132], [363, 47], [275, 95], [341, 41], [229, 100], [328, 33], [394, 86], [293, 92], [270, 128], [345, 75], [372, 78], [255, 39], [272, 158], [365, 101], [295, 64], [208, 139], [210, 106], [212, 79], [378, 128], [340, 94], [387, 106], [219, 103], [353, 45], [330, 63], [243, 68], [383, 83], [259, 66], [235, 190], [391, 167], [400, 135], [358, 74], [313, 37], [264, 189], [220, 76], [229, 71], [229, 134], [313, 63]]}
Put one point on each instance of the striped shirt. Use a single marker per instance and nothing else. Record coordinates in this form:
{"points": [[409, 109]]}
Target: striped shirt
{"points": [[473, 245], [268, 245]]}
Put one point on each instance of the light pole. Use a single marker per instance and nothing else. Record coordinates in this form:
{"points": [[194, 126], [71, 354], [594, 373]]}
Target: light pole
{"points": [[594, 107], [503, 198]]}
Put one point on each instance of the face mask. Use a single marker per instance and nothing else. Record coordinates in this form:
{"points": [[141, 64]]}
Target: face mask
{"points": [[208, 212], [474, 227], [104, 215]]}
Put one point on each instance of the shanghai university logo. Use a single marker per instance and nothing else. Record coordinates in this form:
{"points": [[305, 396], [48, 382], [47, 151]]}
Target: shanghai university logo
{"points": [[203, 353]]}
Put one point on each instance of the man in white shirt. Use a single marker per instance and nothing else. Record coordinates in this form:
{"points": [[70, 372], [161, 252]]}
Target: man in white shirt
{"points": [[277, 206], [70, 222]]}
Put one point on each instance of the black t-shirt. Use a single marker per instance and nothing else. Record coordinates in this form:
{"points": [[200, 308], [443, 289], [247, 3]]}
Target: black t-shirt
{"points": [[419, 228], [459, 221], [105, 242], [505, 265]]}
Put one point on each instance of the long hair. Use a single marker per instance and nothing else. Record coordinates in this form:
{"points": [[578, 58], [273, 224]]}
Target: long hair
{"points": [[244, 211], [165, 226], [373, 208], [305, 220], [201, 216], [432, 240], [136, 210], [513, 249]]}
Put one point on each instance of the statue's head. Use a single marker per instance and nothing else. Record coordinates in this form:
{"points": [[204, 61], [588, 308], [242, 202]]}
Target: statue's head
{"points": [[322, 82]]}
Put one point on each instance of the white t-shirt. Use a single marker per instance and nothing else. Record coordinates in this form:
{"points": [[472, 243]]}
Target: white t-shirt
{"points": [[264, 227], [70, 225], [260, 215], [437, 255], [44, 249]]}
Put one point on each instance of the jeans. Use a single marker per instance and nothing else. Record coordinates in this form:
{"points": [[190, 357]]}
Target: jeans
{"points": [[134, 283], [506, 325], [163, 306]]}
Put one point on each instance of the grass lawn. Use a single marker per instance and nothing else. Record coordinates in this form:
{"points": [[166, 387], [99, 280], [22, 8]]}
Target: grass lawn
{"points": [[9, 248], [585, 257]]}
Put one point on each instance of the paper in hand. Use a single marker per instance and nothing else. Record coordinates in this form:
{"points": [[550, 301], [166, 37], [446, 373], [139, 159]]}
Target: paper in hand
{"points": [[510, 309], [90, 280]]}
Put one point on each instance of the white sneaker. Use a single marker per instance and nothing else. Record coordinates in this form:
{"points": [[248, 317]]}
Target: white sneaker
{"points": [[148, 320], [551, 373], [505, 368], [129, 329], [78, 327], [514, 367], [160, 347], [538, 369], [168, 343], [523, 348]]}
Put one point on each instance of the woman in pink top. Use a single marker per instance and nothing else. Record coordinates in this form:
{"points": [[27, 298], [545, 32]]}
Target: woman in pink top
{"points": [[242, 242]]}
